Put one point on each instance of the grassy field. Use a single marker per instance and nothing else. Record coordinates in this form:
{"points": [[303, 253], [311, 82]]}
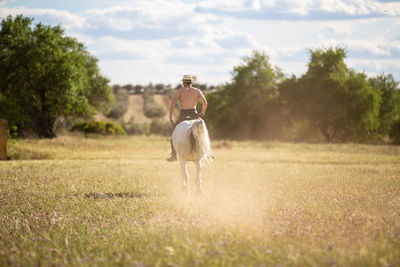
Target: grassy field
{"points": [[116, 201]]}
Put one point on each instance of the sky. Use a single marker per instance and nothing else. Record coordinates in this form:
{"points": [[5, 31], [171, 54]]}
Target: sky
{"points": [[158, 41]]}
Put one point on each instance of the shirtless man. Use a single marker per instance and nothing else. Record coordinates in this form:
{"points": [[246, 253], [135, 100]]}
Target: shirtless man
{"points": [[188, 97]]}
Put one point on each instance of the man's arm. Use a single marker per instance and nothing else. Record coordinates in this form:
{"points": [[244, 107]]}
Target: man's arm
{"points": [[172, 107], [204, 102]]}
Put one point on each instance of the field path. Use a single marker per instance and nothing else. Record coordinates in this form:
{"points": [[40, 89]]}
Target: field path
{"points": [[135, 109]]}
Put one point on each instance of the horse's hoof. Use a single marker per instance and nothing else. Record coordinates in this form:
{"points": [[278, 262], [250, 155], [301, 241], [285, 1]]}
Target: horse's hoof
{"points": [[172, 158]]}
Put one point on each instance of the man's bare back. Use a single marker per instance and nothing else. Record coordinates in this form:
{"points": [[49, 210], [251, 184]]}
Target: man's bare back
{"points": [[188, 97]]}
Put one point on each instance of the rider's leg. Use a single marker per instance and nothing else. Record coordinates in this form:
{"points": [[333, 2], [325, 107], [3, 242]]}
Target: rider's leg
{"points": [[172, 156]]}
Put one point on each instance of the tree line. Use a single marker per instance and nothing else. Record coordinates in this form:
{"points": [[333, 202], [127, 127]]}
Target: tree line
{"points": [[46, 75], [159, 88], [330, 101]]}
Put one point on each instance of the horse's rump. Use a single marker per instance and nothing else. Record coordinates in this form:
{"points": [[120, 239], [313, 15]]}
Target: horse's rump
{"points": [[191, 140]]}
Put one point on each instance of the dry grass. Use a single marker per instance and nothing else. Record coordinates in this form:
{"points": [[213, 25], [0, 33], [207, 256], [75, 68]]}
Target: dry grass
{"points": [[115, 201]]}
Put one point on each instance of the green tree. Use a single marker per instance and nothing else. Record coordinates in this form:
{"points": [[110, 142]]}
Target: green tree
{"points": [[248, 107], [45, 74], [333, 98], [389, 112], [96, 87]]}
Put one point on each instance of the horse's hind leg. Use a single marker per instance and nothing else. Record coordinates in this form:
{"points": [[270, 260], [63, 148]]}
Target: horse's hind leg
{"points": [[185, 176], [198, 178]]}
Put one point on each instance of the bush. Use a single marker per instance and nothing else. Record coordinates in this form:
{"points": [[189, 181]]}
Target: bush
{"points": [[120, 105], [98, 127], [395, 132], [139, 129], [133, 128], [161, 127]]}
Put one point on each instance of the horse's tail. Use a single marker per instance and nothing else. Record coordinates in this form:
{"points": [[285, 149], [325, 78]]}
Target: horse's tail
{"points": [[201, 140]]}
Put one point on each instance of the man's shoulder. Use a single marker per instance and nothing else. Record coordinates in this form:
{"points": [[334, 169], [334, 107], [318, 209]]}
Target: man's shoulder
{"points": [[195, 89]]}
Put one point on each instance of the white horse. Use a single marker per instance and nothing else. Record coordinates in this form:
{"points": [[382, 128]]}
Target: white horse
{"points": [[192, 143]]}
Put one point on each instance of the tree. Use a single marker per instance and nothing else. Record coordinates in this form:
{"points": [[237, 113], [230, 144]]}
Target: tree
{"points": [[248, 107], [333, 98], [389, 112], [45, 74], [96, 87]]}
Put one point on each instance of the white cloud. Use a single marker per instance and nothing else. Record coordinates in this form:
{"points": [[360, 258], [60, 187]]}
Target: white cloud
{"points": [[4, 2], [288, 51], [207, 39], [376, 48], [120, 24], [375, 67], [68, 19], [347, 7], [152, 50], [143, 39], [305, 7], [340, 28], [203, 18], [233, 5], [156, 15], [109, 11], [256, 4], [156, 10]]}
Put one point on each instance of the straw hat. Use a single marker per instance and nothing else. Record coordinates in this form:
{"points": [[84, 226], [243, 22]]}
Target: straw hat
{"points": [[188, 78]]}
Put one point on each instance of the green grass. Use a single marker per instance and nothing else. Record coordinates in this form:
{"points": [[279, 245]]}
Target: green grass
{"points": [[116, 201]]}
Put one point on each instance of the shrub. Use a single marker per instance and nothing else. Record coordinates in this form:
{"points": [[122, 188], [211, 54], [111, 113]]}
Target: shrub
{"points": [[161, 127], [139, 129], [133, 128], [99, 127]]}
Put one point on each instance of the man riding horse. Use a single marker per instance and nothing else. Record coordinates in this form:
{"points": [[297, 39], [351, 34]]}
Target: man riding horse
{"points": [[188, 97]]}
